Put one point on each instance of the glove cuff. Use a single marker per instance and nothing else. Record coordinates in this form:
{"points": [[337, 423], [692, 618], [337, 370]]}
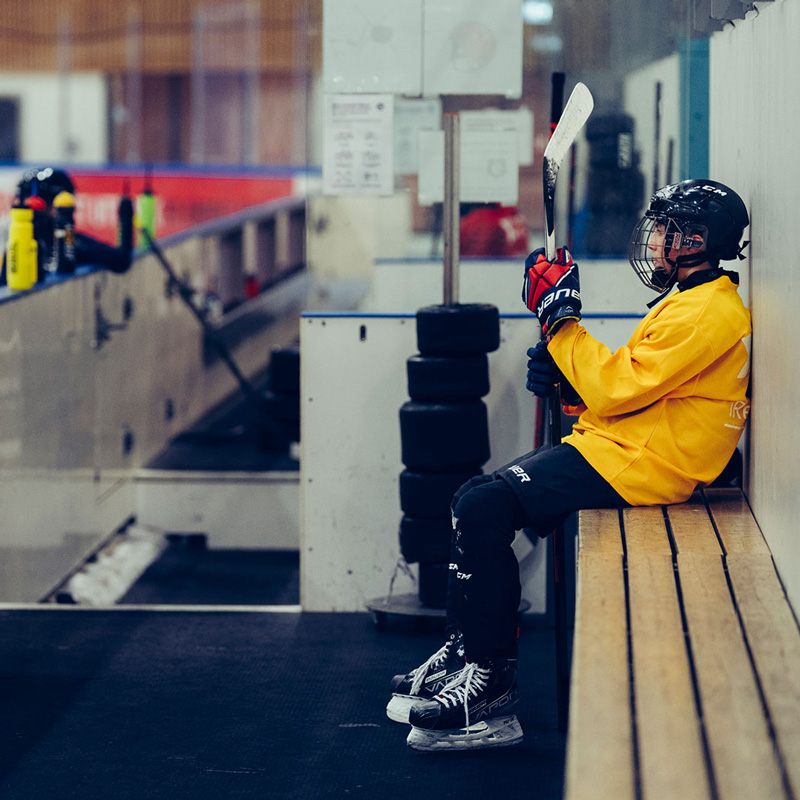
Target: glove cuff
{"points": [[559, 316]]}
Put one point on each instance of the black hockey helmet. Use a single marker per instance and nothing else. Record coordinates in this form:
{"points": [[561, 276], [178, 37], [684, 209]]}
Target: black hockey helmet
{"points": [[46, 182], [703, 219]]}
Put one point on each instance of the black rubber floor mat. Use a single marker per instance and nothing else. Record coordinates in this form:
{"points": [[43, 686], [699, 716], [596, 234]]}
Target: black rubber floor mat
{"points": [[132, 705]]}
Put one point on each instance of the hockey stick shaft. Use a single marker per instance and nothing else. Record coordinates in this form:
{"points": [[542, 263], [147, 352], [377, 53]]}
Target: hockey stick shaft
{"points": [[556, 106], [562, 136]]}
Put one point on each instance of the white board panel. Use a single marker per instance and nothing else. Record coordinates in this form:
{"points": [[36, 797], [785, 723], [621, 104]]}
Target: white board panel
{"points": [[372, 46], [472, 47], [353, 384], [757, 60]]}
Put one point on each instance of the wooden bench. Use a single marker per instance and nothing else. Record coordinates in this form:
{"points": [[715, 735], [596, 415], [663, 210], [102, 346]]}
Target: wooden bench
{"points": [[685, 675]]}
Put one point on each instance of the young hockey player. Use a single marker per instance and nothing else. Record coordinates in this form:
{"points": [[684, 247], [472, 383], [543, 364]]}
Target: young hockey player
{"points": [[658, 418]]}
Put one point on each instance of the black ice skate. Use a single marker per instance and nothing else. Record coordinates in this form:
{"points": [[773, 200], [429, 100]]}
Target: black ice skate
{"points": [[428, 679], [471, 713]]}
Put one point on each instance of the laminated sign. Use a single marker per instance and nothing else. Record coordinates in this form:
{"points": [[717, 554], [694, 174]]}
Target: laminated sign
{"points": [[359, 144]]}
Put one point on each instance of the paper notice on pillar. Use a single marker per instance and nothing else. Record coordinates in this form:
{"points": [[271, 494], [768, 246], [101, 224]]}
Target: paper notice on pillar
{"points": [[489, 170], [410, 118], [372, 46], [494, 119], [358, 152], [472, 47], [489, 167]]}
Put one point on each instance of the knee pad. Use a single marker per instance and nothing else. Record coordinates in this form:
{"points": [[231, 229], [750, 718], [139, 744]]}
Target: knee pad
{"points": [[485, 515], [475, 480]]}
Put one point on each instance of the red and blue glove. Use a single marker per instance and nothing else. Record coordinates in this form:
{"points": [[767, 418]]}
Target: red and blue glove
{"points": [[552, 290]]}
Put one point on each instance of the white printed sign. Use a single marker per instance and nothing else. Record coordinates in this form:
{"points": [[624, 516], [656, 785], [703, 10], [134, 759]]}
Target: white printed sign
{"points": [[411, 117], [489, 170], [358, 155], [493, 119]]}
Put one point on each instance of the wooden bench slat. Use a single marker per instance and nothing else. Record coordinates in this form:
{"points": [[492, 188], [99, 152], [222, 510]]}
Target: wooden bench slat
{"points": [[600, 531], [692, 528], [671, 761], [737, 527], [774, 641], [600, 693], [645, 531], [741, 750]]}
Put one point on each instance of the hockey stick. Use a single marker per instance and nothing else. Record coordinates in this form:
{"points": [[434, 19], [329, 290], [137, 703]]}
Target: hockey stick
{"points": [[573, 117]]}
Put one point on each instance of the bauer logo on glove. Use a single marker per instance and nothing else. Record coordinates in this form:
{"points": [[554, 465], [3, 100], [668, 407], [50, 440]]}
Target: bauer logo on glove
{"points": [[551, 289]]}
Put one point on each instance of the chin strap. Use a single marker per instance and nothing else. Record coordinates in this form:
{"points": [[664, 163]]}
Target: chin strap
{"points": [[660, 297]]}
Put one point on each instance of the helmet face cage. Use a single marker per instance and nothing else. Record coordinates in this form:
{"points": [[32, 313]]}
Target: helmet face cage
{"points": [[678, 218], [653, 249]]}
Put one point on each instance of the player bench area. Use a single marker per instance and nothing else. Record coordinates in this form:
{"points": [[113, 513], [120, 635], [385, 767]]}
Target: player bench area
{"points": [[686, 659]]}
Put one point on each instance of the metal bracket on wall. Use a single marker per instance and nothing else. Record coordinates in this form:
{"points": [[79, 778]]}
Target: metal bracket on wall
{"points": [[103, 327], [728, 10], [711, 15]]}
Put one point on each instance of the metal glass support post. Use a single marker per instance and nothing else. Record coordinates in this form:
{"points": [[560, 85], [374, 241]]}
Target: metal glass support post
{"points": [[451, 207]]}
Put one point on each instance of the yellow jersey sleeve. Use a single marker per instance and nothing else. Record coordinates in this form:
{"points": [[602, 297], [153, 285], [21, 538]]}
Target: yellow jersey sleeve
{"points": [[664, 413]]}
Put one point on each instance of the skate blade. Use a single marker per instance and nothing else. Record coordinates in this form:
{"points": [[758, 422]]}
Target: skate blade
{"points": [[497, 732], [400, 705]]}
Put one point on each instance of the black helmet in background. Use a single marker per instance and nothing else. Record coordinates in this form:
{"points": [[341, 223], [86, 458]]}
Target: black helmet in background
{"points": [[46, 182], [703, 220]]}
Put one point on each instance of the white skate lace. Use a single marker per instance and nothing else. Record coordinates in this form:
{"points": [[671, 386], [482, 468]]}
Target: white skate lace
{"points": [[421, 671], [471, 680]]}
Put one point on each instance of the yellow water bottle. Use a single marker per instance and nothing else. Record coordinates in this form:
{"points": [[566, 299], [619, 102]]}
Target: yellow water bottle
{"points": [[21, 264], [64, 233]]}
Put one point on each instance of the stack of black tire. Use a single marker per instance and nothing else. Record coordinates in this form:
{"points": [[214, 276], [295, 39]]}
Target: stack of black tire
{"points": [[282, 395], [444, 432], [615, 184]]}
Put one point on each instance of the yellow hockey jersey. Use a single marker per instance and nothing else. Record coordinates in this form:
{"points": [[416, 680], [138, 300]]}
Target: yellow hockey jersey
{"points": [[664, 414]]}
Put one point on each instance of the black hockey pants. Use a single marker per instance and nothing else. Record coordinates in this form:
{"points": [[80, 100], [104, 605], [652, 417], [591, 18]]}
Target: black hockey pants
{"points": [[537, 490]]}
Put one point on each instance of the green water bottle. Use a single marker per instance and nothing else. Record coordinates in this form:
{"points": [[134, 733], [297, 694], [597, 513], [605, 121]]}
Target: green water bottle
{"points": [[146, 211]]}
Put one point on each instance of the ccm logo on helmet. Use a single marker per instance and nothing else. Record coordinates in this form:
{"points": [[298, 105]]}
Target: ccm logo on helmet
{"points": [[548, 299], [715, 190]]}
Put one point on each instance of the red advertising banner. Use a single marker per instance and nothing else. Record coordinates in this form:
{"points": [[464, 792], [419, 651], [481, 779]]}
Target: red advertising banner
{"points": [[183, 197]]}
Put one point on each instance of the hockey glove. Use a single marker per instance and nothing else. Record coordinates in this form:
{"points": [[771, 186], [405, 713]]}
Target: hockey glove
{"points": [[542, 371], [552, 289], [543, 375]]}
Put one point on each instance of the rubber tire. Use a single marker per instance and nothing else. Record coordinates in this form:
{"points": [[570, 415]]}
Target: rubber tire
{"points": [[432, 590], [428, 494], [609, 234], [444, 437], [423, 541], [457, 328], [447, 378], [608, 153], [283, 407], [615, 190], [609, 125], [284, 370]]}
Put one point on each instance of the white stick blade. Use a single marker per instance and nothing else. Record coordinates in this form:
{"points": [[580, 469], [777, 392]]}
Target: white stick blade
{"points": [[573, 118]]}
